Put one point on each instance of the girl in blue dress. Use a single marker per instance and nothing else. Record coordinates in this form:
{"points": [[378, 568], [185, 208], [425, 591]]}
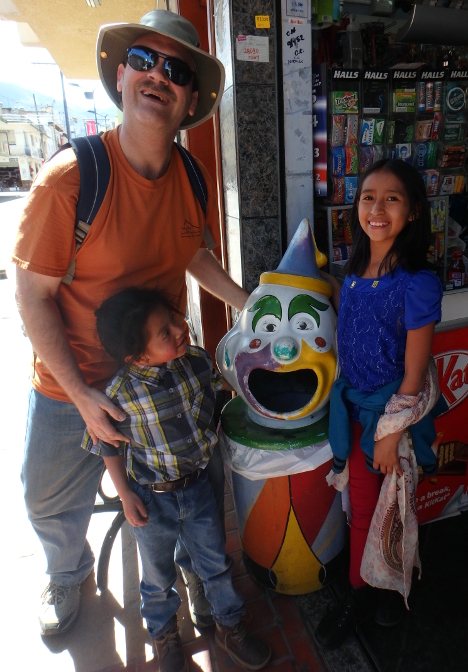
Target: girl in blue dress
{"points": [[388, 307]]}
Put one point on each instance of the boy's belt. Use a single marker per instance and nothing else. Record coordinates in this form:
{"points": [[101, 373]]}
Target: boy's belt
{"points": [[168, 486]]}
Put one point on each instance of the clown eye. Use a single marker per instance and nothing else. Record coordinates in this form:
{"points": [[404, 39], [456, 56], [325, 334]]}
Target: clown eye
{"points": [[303, 323], [268, 324]]}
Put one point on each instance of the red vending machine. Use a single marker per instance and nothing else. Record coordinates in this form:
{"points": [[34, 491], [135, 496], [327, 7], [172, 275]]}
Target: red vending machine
{"points": [[446, 494]]}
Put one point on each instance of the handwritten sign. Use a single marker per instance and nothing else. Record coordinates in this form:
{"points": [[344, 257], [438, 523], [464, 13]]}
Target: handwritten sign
{"points": [[252, 48], [262, 22]]}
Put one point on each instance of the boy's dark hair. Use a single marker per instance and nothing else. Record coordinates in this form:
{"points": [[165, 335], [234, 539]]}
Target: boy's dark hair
{"points": [[121, 321], [410, 247]]}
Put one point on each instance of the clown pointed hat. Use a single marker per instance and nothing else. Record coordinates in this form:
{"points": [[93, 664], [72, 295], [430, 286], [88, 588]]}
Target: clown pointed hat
{"points": [[300, 264]]}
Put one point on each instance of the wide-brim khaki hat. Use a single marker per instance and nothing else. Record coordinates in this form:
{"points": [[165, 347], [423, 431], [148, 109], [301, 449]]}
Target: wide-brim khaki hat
{"points": [[115, 38]]}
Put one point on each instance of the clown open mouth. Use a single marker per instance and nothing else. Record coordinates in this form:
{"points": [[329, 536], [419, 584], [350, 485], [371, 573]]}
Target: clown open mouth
{"points": [[283, 392]]}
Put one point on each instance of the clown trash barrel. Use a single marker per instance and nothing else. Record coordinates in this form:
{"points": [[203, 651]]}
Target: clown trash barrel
{"points": [[291, 523]]}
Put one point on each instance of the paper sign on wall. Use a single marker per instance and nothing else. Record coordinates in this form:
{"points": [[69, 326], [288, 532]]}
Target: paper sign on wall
{"points": [[252, 48], [262, 21]]}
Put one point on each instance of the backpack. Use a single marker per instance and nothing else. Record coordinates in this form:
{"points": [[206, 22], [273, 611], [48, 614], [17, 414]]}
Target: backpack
{"points": [[94, 165]]}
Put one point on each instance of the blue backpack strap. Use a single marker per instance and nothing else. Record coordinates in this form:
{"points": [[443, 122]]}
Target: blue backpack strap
{"points": [[94, 165], [198, 184]]}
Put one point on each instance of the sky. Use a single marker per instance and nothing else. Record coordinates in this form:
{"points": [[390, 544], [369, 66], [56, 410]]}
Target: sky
{"points": [[17, 68]]}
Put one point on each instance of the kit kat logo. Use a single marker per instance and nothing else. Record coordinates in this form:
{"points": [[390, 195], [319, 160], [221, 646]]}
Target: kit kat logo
{"points": [[452, 369]]}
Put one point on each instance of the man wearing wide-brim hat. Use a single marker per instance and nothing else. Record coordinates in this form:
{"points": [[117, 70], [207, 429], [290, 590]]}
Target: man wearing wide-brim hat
{"points": [[149, 230]]}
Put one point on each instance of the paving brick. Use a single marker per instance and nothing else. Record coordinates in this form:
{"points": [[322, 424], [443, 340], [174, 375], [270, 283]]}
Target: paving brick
{"points": [[258, 615], [276, 641], [284, 666], [228, 503], [230, 521], [233, 542], [289, 615], [307, 657], [199, 655], [248, 588]]}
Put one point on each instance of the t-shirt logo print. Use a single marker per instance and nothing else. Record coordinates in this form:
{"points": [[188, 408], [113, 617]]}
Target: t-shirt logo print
{"points": [[190, 230]]}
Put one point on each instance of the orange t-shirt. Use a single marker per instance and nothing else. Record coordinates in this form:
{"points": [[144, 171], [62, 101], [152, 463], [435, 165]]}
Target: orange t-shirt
{"points": [[145, 234]]}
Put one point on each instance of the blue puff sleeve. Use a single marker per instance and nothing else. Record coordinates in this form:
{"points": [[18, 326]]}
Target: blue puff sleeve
{"points": [[423, 300]]}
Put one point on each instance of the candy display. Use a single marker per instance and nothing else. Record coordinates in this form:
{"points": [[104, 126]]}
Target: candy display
{"points": [[352, 128], [351, 184], [345, 102]]}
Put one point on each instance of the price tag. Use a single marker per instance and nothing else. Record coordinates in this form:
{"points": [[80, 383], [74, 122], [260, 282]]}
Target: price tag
{"points": [[252, 48], [262, 22]]}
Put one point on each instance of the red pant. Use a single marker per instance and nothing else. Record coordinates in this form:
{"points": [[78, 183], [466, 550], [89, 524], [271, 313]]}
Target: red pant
{"points": [[364, 491]]}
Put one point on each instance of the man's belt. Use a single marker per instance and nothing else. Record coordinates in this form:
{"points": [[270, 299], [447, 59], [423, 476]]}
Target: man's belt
{"points": [[168, 486]]}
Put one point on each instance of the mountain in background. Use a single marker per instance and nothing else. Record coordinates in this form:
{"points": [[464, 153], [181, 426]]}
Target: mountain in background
{"points": [[12, 95]]}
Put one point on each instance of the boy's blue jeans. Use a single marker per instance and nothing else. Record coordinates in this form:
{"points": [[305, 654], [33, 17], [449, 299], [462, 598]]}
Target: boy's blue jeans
{"points": [[192, 513], [60, 482]]}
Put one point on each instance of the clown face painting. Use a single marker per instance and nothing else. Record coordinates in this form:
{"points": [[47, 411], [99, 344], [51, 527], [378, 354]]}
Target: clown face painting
{"points": [[280, 357]]}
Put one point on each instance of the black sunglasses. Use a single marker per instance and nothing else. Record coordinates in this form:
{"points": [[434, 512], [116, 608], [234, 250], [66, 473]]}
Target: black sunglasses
{"points": [[143, 58]]}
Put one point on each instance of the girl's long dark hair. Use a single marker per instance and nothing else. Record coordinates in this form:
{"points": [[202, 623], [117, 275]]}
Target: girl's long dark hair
{"points": [[410, 247]]}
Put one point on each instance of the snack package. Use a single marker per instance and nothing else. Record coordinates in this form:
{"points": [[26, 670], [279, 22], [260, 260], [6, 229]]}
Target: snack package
{"points": [[379, 153], [338, 193], [425, 154], [404, 131], [352, 128], [459, 184], [452, 156], [437, 96], [379, 130], [375, 97], [422, 96], [350, 188], [403, 152], [367, 158], [431, 181], [338, 160], [447, 185], [429, 96], [345, 102], [337, 130], [337, 218], [348, 236], [351, 160], [436, 126], [367, 131], [341, 252], [454, 97], [404, 100], [390, 133], [423, 130], [437, 217], [454, 131]]}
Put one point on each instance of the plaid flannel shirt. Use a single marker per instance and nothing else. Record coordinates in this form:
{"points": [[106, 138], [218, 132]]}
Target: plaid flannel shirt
{"points": [[169, 419]]}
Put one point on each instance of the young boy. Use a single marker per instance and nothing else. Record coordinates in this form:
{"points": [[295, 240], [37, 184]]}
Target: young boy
{"points": [[167, 390]]}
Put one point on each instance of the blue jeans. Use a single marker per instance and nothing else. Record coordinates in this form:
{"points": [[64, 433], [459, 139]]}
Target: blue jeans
{"points": [[60, 482], [191, 513]]}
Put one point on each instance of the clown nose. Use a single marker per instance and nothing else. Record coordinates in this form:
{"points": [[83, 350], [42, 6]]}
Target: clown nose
{"points": [[285, 349]]}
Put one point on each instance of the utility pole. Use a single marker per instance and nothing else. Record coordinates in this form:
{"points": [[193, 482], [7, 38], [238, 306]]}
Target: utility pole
{"points": [[67, 121]]}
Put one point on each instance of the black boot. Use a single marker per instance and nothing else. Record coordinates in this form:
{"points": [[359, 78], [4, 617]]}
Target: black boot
{"points": [[356, 607], [391, 608]]}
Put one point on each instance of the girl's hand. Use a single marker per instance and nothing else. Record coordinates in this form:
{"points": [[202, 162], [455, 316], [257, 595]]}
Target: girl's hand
{"points": [[386, 454], [134, 510]]}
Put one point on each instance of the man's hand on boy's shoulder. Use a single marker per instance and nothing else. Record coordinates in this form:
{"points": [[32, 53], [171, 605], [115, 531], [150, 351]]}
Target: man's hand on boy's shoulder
{"points": [[95, 409], [134, 509]]}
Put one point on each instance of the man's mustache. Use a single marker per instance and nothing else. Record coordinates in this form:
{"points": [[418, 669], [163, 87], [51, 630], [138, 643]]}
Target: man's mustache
{"points": [[157, 88]]}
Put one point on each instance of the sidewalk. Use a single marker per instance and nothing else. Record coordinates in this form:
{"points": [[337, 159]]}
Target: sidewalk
{"points": [[109, 634]]}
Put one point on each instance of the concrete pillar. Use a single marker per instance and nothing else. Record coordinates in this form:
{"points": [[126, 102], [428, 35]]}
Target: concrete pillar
{"points": [[249, 143]]}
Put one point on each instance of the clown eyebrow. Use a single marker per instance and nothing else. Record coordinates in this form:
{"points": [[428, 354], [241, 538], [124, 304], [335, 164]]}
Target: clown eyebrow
{"points": [[267, 305], [303, 303]]}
